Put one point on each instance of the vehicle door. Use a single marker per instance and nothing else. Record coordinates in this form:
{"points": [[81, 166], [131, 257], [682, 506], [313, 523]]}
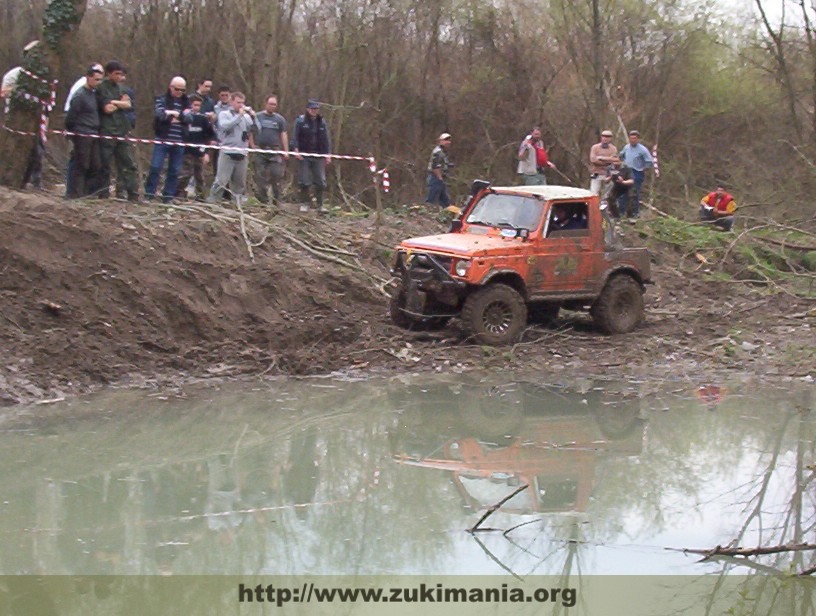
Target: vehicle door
{"points": [[567, 250]]}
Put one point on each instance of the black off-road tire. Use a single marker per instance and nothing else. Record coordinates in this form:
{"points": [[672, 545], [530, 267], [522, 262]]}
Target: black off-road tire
{"points": [[543, 313], [619, 309], [400, 318], [494, 315], [395, 310]]}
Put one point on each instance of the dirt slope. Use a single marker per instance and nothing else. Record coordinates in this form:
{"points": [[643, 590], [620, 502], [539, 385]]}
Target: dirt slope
{"points": [[97, 292]]}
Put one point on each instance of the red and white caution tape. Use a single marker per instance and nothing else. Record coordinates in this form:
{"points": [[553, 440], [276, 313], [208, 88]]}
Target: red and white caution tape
{"points": [[38, 78], [45, 105], [386, 181], [67, 133]]}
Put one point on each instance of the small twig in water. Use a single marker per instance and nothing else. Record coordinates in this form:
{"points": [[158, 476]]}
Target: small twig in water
{"points": [[494, 508]]}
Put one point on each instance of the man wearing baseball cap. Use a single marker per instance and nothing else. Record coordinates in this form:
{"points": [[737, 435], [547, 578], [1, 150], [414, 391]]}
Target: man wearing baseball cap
{"points": [[601, 156], [438, 166], [311, 136]]}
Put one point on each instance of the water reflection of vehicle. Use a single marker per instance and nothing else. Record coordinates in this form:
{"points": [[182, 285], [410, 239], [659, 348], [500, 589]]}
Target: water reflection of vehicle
{"points": [[493, 438]]}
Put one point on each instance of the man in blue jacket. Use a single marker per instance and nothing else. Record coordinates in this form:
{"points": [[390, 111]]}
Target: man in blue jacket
{"points": [[311, 136], [637, 157], [168, 127]]}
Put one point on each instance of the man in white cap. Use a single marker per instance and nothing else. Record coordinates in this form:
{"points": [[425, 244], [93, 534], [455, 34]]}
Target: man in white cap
{"points": [[438, 166], [601, 155]]}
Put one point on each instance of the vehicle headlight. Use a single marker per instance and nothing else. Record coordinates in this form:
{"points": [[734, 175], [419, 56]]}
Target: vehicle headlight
{"points": [[462, 268]]}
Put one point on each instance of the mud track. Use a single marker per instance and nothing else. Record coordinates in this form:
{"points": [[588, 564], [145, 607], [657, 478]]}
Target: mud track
{"points": [[102, 293]]}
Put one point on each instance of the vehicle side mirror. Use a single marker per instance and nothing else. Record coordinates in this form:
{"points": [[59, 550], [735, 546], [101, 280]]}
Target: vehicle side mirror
{"points": [[455, 226]]}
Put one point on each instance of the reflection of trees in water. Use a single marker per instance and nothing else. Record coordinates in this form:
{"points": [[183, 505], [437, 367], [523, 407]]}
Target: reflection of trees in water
{"points": [[310, 490], [362, 512], [786, 465], [686, 451], [367, 512], [301, 474]]}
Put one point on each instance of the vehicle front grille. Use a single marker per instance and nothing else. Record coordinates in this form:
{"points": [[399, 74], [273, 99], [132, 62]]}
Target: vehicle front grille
{"points": [[422, 262]]}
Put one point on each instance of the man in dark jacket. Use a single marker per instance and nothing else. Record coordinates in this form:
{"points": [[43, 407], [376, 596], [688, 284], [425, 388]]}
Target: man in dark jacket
{"points": [[199, 131], [114, 104], [311, 136], [83, 119], [619, 179], [167, 123]]}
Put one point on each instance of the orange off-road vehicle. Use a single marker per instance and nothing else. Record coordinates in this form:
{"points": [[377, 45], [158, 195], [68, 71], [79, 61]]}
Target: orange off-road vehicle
{"points": [[518, 252]]}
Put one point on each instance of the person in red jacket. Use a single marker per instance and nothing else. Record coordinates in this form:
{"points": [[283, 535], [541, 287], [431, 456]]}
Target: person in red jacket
{"points": [[533, 160], [718, 207]]}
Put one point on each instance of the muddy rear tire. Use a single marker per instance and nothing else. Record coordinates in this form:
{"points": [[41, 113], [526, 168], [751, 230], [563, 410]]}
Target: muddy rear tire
{"points": [[619, 309], [494, 315]]}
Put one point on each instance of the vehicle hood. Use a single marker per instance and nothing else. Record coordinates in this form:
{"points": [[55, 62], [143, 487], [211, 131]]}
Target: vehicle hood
{"points": [[464, 244]]}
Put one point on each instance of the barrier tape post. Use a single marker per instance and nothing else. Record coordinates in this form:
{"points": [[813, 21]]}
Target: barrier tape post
{"points": [[654, 161], [377, 198]]}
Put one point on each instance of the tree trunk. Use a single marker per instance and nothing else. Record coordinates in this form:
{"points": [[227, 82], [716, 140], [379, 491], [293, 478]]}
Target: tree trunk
{"points": [[60, 23], [597, 67]]}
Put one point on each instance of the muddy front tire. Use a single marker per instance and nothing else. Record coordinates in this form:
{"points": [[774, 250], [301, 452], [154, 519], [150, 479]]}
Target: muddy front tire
{"points": [[619, 308], [396, 310], [400, 318], [494, 315]]}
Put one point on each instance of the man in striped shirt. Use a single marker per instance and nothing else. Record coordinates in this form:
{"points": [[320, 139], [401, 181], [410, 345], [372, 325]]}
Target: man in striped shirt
{"points": [[169, 130]]}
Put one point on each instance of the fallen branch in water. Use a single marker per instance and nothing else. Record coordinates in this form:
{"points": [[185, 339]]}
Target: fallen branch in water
{"points": [[493, 509], [743, 552]]}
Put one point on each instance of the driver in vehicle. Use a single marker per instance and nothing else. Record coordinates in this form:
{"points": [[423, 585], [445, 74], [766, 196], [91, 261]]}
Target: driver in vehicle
{"points": [[566, 218]]}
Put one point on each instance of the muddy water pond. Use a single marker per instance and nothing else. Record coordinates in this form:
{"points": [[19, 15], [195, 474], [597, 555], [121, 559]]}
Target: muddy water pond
{"points": [[387, 476]]}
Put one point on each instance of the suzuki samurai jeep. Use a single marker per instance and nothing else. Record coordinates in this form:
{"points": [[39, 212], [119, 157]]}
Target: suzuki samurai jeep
{"points": [[519, 252]]}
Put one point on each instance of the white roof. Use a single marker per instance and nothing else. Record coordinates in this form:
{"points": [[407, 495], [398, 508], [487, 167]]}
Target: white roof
{"points": [[547, 192]]}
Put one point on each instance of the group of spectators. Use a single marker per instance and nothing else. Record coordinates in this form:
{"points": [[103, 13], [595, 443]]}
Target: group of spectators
{"points": [[192, 131], [616, 176]]}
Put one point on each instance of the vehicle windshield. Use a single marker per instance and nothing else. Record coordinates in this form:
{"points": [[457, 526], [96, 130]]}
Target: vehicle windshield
{"points": [[496, 210]]}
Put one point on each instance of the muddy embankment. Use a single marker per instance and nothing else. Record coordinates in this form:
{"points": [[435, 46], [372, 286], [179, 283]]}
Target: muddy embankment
{"points": [[103, 292]]}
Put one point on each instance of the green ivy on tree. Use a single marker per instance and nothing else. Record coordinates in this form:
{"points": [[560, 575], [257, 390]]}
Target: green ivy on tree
{"points": [[33, 62], [60, 17]]}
